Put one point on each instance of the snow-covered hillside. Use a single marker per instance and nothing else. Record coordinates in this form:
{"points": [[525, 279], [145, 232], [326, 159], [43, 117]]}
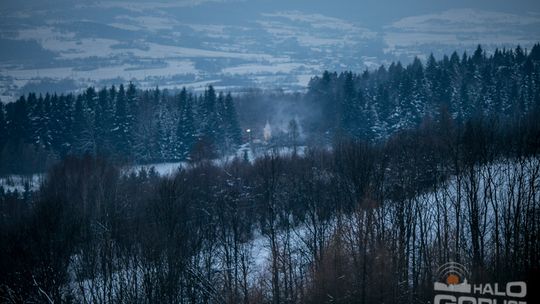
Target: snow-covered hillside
{"points": [[70, 45], [491, 193], [497, 186]]}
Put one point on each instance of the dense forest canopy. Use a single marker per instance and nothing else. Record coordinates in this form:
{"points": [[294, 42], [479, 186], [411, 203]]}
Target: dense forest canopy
{"points": [[125, 124], [376, 104]]}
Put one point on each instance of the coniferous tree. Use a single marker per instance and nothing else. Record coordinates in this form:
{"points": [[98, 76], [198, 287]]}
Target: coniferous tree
{"points": [[383, 110], [366, 117], [220, 127], [79, 129], [103, 122], [209, 120], [56, 124], [67, 102], [349, 107], [144, 128], [19, 123], [329, 106], [121, 128], [418, 101], [185, 132], [159, 142], [90, 100], [40, 121], [233, 133], [131, 105]]}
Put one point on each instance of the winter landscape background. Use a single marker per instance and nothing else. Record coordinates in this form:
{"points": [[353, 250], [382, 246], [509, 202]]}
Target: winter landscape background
{"points": [[267, 151]]}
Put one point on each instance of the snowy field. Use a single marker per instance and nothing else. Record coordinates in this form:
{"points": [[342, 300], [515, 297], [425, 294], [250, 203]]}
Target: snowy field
{"points": [[103, 43]]}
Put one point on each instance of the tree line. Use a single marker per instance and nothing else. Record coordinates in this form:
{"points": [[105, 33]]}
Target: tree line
{"points": [[126, 124], [375, 104], [156, 126]]}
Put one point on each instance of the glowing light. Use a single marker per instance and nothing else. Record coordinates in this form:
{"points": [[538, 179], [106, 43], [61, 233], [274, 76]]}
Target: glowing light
{"points": [[267, 131]]}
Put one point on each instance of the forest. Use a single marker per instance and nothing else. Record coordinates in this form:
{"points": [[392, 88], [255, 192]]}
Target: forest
{"points": [[152, 126], [124, 124], [404, 169]]}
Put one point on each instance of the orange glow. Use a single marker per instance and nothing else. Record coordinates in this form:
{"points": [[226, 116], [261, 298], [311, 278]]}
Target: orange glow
{"points": [[452, 279]]}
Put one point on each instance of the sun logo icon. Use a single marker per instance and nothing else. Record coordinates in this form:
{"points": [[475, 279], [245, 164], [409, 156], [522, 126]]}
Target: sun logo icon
{"points": [[452, 277]]}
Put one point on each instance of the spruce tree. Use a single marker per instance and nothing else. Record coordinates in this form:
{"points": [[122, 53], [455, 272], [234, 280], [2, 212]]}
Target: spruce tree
{"points": [[79, 132], [220, 128], [209, 121], [67, 102], [56, 124], [121, 125], [232, 127], [131, 109], [185, 132], [349, 108], [366, 117], [417, 103], [159, 142], [143, 129], [39, 124], [103, 132]]}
